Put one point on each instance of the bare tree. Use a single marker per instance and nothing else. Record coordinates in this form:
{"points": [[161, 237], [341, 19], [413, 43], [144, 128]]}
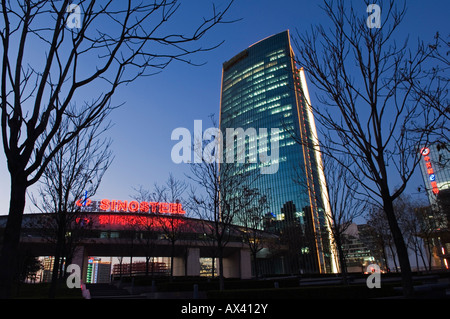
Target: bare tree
{"points": [[74, 173], [369, 110], [417, 228], [379, 229], [147, 228], [414, 225], [345, 204], [149, 240], [430, 223], [171, 225], [93, 44], [255, 209], [427, 232], [219, 200]]}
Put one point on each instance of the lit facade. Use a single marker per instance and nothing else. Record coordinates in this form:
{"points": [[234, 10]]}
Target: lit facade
{"points": [[263, 88], [435, 168], [113, 233], [361, 248], [98, 271]]}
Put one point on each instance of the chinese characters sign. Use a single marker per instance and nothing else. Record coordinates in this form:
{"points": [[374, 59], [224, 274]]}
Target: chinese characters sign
{"points": [[429, 169]]}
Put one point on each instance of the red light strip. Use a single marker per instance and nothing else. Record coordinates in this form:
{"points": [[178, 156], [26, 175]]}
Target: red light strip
{"points": [[135, 206]]}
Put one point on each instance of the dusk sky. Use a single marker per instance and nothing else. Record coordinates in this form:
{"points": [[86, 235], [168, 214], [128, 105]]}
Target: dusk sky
{"points": [[155, 106]]}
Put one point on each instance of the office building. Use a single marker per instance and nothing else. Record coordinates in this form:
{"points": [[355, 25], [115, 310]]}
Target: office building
{"points": [[362, 247], [263, 91], [435, 168]]}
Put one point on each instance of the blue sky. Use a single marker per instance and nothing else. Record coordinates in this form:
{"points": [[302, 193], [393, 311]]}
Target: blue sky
{"points": [[155, 106]]}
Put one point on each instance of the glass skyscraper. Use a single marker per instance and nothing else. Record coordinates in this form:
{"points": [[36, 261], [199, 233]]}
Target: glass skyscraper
{"points": [[262, 88]]}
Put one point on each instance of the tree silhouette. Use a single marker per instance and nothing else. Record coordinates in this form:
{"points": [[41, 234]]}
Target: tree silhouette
{"points": [[371, 109], [95, 44]]}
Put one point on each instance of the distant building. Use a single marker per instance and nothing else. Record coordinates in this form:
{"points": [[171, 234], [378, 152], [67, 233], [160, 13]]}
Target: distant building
{"points": [[140, 268], [361, 249], [98, 271], [435, 168], [111, 234], [436, 238], [46, 273]]}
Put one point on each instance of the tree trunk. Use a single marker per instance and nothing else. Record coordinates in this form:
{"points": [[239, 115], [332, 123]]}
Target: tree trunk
{"points": [[11, 238], [60, 241], [147, 260], [213, 266], [342, 263], [393, 256], [383, 249], [417, 256], [55, 270], [172, 256], [430, 254], [402, 252], [221, 277], [255, 263]]}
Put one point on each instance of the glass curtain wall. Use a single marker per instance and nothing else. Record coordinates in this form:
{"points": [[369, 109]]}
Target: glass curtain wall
{"points": [[261, 88]]}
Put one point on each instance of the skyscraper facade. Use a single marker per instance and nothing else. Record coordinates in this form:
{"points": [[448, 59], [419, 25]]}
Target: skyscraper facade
{"points": [[264, 91]]}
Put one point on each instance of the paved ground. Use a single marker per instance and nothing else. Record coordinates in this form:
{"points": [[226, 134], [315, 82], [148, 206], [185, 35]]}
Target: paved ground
{"points": [[435, 288], [110, 291]]}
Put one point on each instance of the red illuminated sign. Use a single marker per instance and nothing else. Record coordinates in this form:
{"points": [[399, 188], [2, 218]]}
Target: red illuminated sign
{"points": [[138, 220], [135, 206], [425, 152], [147, 221], [83, 202]]}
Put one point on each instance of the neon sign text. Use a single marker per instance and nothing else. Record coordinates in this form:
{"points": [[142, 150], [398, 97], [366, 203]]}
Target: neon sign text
{"points": [[432, 177], [138, 220], [147, 221], [114, 205]]}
